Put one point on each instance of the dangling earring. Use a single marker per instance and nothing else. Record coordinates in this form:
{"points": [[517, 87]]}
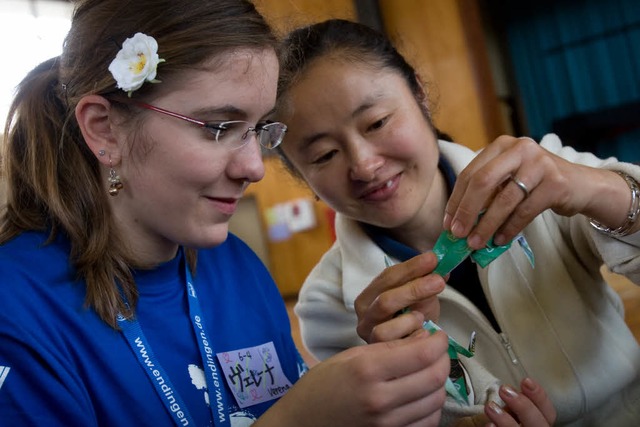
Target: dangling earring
{"points": [[115, 185]]}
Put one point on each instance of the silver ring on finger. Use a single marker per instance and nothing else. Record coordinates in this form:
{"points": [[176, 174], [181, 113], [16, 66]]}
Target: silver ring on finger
{"points": [[521, 185]]}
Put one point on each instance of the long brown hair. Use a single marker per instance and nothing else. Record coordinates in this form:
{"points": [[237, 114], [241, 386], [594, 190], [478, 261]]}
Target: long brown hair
{"points": [[53, 179]]}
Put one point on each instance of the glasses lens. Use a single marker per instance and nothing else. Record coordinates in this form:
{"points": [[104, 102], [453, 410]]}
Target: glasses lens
{"points": [[236, 133], [271, 134]]}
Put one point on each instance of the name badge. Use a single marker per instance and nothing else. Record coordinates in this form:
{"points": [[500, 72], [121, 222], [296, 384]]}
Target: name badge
{"points": [[254, 374]]}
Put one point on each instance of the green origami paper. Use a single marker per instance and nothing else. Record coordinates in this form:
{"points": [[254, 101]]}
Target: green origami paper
{"points": [[451, 251]]}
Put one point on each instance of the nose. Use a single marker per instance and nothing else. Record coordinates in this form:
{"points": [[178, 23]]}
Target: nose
{"points": [[245, 163], [365, 162]]}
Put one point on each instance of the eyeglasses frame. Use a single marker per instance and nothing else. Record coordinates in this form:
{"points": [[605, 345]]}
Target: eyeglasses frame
{"points": [[218, 126]]}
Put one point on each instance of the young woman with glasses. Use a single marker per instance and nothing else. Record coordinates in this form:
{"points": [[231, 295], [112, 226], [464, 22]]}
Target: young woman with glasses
{"points": [[123, 298]]}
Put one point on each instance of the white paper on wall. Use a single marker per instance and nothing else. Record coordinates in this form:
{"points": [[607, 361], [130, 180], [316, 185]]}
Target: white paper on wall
{"points": [[300, 215]]}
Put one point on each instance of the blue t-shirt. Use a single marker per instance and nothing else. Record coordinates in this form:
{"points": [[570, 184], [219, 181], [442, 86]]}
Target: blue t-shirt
{"points": [[60, 365]]}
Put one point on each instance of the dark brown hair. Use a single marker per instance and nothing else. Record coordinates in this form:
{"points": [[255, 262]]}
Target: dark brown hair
{"points": [[53, 179]]}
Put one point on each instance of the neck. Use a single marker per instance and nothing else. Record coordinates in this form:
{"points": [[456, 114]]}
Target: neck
{"points": [[148, 253], [147, 259]]}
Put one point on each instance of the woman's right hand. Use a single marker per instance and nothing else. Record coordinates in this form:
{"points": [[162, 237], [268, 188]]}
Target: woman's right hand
{"points": [[408, 284], [396, 383], [513, 180]]}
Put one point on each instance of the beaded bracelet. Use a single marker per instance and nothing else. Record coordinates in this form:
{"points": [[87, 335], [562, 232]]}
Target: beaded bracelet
{"points": [[632, 216]]}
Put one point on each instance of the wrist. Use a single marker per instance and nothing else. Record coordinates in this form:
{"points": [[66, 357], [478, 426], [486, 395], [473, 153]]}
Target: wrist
{"points": [[629, 224]]}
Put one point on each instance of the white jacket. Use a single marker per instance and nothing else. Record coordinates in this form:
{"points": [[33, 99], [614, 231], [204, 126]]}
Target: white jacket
{"points": [[562, 324]]}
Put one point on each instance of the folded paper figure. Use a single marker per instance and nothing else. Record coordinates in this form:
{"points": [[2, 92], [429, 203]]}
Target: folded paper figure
{"points": [[451, 251]]}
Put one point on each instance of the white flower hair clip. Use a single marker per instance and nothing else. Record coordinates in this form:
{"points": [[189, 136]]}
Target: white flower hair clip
{"points": [[136, 62]]}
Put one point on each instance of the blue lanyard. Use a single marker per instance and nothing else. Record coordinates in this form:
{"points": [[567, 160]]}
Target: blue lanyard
{"points": [[215, 384], [168, 394]]}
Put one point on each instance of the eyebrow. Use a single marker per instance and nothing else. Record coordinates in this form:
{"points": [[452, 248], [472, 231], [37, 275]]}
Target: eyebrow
{"points": [[224, 109], [362, 108], [228, 110]]}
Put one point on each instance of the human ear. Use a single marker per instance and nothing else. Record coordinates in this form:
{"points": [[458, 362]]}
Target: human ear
{"points": [[94, 116]]}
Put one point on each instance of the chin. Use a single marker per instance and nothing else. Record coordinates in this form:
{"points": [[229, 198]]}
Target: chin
{"points": [[210, 238]]}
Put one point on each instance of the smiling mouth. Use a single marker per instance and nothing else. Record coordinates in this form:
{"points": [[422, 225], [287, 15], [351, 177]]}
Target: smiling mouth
{"points": [[379, 191], [223, 200], [226, 206], [387, 184]]}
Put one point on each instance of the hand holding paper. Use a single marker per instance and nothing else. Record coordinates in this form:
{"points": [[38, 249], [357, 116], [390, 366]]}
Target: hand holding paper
{"points": [[451, 251]]}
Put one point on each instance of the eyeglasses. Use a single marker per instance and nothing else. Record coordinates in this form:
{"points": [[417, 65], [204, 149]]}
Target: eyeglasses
{"points": [[232, 134]]}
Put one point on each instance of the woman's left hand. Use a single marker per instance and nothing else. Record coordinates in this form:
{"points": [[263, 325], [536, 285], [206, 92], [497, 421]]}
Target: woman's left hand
{"points": [[515, 179], [531, 407]]}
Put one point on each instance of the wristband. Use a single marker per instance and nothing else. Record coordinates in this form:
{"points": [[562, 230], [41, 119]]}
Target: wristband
{"points": [[632, 215]]}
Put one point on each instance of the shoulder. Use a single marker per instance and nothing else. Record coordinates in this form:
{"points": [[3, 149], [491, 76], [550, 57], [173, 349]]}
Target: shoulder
{"points": [[37, 283], [552, 143], [31, 254], [24, 242], [458, 156], [349, 265]]}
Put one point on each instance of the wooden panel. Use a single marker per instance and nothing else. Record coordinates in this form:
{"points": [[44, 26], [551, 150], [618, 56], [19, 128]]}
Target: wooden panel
{"points": [[291, 260], [286, 15], [443, 40]]}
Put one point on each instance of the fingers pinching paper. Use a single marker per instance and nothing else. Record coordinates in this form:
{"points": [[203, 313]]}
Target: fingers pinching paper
{"points": [[451, 251]]}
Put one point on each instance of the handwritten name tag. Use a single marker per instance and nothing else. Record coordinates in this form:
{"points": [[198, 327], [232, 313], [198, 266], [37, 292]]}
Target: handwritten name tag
{"points": [[254, 374]]}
